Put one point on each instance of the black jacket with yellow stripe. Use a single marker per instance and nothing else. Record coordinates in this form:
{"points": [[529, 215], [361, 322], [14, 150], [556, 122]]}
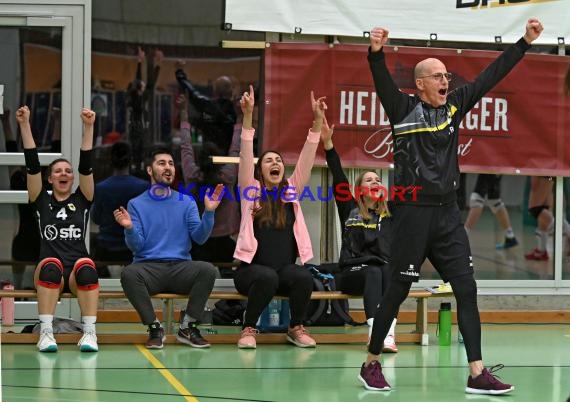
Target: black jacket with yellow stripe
{"points": [[364, 241], [426, 138]]}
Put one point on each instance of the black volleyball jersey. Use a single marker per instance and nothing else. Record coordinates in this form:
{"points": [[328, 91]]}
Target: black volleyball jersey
{"points": [[63, 225]]}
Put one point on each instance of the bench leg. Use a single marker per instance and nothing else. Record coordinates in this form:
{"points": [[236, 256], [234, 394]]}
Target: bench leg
{"points": [[421, 321], [168, 313]]}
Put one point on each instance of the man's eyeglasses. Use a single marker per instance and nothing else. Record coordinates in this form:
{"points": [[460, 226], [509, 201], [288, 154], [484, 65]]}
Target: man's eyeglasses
{"points": [[439, 76]]}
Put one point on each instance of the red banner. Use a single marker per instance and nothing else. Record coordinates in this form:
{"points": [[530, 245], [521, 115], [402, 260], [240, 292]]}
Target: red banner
{"points": [[519, 127]]}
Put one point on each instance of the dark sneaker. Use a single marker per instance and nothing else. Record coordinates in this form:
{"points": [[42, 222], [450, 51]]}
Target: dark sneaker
{"points": [[155, 336], [488, 384], [509, 242], [191, 336], [372, 378]]}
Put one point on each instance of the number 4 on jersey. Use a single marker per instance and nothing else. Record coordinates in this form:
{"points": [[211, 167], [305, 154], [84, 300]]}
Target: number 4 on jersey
{"points": [[61, 214]]}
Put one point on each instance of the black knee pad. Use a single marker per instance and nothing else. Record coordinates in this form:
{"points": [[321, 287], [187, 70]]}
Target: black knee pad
{"points": [[51, 273], [535, 211], [86, 274]]}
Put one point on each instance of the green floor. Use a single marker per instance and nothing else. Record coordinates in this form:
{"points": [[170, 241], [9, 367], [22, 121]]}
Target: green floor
{"points": [[537, 360]]}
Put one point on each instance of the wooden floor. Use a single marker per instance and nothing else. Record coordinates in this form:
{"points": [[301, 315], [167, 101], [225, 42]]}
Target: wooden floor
{"points": [[536, 359]]}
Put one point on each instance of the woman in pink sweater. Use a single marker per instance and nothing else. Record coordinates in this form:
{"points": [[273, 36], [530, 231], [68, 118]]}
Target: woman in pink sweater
{"points": [[273, 232]]}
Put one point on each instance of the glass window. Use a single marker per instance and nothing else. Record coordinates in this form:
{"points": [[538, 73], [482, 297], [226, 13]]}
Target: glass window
{"points": [[144, 86], [31, 75]]}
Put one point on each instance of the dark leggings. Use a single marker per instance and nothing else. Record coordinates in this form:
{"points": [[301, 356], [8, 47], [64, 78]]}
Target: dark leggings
{"points": [[370, 281], [465, 292], [260, 283]]}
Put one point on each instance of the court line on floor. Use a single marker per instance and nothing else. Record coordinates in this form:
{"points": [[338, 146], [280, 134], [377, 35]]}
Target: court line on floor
{"points": [[113, 391], [172, 380], [504, 264]]}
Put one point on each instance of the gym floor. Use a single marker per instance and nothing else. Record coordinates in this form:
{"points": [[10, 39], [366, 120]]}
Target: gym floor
{"points": [[536, 359]]}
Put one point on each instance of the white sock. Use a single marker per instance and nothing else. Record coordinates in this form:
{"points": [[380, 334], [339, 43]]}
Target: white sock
{"points": [[392, 330], [88, 322], [370, 323], [46, 321], [509, 233], [541, 239]]}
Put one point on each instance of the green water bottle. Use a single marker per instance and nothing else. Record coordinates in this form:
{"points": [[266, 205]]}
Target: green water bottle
{"points": [[444, 324]]}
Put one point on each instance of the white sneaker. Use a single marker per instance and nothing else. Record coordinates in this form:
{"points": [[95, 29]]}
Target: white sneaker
{"points": [[88, 342], [390, 345], [47, 341]]}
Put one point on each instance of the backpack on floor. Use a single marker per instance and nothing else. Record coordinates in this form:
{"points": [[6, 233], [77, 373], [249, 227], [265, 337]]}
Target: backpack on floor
{"points": [[60, 326], [327, 312], [228, 312]]}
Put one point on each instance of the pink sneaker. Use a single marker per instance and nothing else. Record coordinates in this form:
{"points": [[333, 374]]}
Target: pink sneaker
{"points": [[247, 339], [537, 255], [299, 336], [390, 345]]}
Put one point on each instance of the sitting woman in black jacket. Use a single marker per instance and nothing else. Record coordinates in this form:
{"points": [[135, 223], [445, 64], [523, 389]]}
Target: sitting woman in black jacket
{"points": [[366, 236]]}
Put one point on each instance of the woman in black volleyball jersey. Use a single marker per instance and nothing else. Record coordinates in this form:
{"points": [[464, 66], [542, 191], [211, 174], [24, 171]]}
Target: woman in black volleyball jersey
{"points": [[62, 218]]}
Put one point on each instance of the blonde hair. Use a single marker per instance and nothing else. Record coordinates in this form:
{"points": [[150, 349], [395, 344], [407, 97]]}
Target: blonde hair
{"points": [[381, 207]]}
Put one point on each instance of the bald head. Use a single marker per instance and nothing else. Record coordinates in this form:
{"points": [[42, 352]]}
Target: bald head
{"points": [[223, 87], [432, 83], [427, 67]]}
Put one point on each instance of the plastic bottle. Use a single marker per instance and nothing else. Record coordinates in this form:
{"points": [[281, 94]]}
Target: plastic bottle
{"points": [[7, 307], [285, 315], [274, 311], [444, 324]]}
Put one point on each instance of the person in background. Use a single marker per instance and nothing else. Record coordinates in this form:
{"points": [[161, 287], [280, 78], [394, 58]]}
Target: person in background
{"points": [[62, 218], [203, 173], [366, 225], [488, 192], [540, 202], [140, 95], [273, 232], [216, 116], [110, 194]]}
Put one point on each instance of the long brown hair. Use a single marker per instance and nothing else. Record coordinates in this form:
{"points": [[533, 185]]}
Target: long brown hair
{"points": [[381, 206], [263, 210]]}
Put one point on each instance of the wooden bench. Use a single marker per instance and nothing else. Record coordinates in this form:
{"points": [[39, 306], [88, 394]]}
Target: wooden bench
{"points": [[419, 335]]}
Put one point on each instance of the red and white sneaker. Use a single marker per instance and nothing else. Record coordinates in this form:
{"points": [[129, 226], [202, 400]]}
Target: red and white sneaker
{"points": [[390, 345], [537, 255]]}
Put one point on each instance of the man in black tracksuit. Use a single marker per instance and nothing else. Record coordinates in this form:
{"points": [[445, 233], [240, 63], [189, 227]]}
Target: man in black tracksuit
{"points": [[425, 128]]}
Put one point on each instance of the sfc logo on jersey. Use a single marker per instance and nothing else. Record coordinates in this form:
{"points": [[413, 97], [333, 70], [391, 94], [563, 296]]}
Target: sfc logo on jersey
{"points": [[69, 233]]}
